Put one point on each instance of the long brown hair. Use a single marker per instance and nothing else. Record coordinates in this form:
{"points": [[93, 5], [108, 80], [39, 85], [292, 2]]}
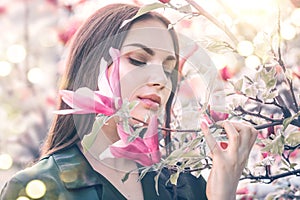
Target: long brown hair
{"points": [[82, 68]]}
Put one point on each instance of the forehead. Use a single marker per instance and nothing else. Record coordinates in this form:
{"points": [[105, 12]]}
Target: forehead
{"points": [[151, 33]]}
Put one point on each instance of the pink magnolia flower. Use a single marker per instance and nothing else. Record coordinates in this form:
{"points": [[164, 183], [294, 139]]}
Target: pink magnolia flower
{"points": [[2, 10], [243, 190], [142, 150], [225, 73], [215, 116], [66, 33], [218, 116], [164, 1], [84, 100]]}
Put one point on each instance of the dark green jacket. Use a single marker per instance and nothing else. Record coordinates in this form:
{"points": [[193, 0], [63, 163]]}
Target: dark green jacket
{"points": [[68, 175]]}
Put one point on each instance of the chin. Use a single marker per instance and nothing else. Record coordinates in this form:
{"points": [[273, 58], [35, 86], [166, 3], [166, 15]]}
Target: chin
{"points": [[143, 113]]}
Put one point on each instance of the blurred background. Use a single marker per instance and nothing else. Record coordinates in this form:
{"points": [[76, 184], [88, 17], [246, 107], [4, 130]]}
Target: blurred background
{"points": [[34, 39]]}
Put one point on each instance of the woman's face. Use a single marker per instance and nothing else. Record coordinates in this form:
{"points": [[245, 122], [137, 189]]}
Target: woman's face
{"points": [[146, 62]]}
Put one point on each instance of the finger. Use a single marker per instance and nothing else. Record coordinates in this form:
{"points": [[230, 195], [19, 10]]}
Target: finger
{"points": [[247, 133], [210, 140], [233, 136]]}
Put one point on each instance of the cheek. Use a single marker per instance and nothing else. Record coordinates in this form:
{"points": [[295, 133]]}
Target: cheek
{"points": [[130, 81], [167, 92]]}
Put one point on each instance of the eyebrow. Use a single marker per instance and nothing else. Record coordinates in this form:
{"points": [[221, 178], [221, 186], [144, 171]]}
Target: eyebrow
{"points": [[145, 48]]}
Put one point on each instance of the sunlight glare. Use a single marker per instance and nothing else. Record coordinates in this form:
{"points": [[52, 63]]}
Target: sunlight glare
{"points": [[36, 189], [6, 161]]}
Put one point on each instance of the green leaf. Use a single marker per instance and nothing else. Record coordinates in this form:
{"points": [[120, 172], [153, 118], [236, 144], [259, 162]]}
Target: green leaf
{"points": [[284, 169], [185, 9], [89, 139], [174, 178], [143, 10], [190, 154], [251, 91], [126, 176], [132, 105], [217, 46], [249, 79], [276, 146], [272, 95], [143, 173], [293, 138], [287, 121], [271, 83], [238, 85], [156, 182], [293, 165]]}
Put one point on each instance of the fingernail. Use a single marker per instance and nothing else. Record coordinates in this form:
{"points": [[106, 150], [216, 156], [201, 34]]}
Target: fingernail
{"points": [[224, 145], [204, 125]]}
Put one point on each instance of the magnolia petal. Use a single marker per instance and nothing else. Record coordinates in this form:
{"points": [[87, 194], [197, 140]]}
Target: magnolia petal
{"points": [[104, 99], [69, 111], [86, 101], [106, 154], [122, 134], [81, 98], [131, 152], [114, 79], [67, 97], [218, 116], [137, 143], [103, 66], [155, 156]]}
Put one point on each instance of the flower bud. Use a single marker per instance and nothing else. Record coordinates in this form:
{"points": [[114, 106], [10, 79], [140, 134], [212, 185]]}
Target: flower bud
{"points": [[164, 1]]}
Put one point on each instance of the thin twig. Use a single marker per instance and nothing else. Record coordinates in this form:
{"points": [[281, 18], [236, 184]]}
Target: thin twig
{"points": [[281, 63], [243, 111], [269, 178], [211, 18]]}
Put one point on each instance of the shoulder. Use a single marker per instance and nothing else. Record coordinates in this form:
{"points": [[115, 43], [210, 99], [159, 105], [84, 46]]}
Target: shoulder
{"points": [[51, 177], [43, 175]]}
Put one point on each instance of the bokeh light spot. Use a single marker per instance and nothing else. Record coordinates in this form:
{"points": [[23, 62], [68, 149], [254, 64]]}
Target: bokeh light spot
{"points": [[245, 48], [6, 161], [36, 189], [16, 53], [5, 68], [288, 32], [22, 198], [35, 75], [68, 176], [252, 61], [295, 17]]}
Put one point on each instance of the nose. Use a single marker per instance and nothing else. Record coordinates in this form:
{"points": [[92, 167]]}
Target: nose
{"points": [[157, 77]]}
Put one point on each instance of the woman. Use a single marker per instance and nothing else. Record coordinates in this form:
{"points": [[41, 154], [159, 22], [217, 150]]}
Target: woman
{"points": [[147, 73]]}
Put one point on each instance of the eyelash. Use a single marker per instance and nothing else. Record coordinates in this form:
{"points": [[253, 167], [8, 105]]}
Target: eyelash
{"points": [[136, 62], [141, 63]]}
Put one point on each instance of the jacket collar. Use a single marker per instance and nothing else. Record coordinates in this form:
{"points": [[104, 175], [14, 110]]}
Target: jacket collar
{"points": [[75, 171]]}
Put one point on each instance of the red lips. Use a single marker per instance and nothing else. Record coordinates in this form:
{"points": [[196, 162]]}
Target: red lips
{"points": [[151, 101]]}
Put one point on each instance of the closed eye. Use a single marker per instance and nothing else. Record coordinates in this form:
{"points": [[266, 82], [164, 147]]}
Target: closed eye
{"points": [[136, 62]]}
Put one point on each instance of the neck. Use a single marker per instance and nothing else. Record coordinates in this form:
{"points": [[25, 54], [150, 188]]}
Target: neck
{"points": [[106, 137]]}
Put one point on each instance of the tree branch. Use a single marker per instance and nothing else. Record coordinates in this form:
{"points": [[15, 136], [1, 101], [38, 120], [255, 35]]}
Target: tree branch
{"points": [[211, 18], [269, 178]]}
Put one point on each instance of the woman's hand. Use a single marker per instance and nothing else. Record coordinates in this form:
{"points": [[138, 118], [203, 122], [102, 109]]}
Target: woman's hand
{"points": [[228, 163]]}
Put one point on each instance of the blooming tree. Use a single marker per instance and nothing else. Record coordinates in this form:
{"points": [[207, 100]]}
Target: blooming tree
{"points": [[268, 97]]}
